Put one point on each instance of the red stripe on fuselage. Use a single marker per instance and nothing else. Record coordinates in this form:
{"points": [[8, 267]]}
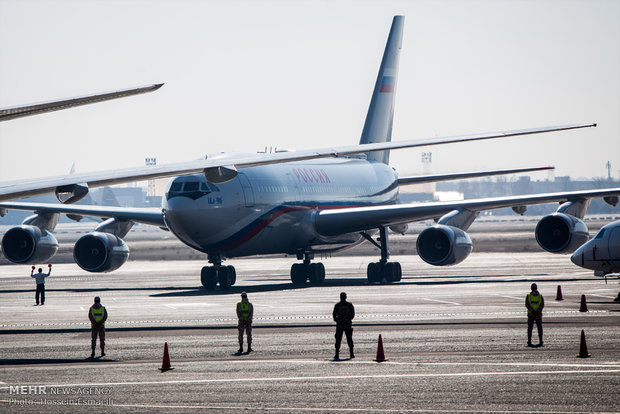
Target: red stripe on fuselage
{"points": [[273, 216]]}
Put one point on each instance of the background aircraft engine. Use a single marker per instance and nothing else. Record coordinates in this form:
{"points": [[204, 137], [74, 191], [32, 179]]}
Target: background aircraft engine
{"points": [[443, 245], [560, 233], [100, 252], [29, 244]]}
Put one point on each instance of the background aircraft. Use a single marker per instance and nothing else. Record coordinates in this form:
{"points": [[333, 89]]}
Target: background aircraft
{"points": [[299, 203], [602, 253], [21, 111]]}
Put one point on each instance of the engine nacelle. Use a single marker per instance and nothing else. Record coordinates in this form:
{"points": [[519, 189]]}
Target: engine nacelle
{"points": [[100, 252], [29, 244], [561, 233], [443, 245]]}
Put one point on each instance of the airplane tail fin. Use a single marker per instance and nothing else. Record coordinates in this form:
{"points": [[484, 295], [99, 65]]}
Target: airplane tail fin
{"points": [[378, 125]]}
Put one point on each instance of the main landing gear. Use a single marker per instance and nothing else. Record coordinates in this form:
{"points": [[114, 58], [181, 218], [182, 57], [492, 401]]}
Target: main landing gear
{"points": [[382, 271], [210, 276], [313, 272]]}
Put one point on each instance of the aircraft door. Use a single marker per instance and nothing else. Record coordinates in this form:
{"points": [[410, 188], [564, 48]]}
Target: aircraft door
{"points": [[248, 193]]}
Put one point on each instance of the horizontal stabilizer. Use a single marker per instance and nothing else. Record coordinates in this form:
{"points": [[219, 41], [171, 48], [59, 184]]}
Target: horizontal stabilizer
{"points": [[420, 179]]}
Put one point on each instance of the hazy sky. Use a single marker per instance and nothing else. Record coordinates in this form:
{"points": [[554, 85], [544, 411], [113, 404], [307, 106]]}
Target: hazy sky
{"points": [[242, 75]]}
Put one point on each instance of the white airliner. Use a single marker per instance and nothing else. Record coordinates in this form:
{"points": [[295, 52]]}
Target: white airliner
{"points": [[602, 253], [296, 202]]}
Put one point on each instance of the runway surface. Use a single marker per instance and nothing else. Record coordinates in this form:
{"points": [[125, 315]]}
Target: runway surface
{"points": [[454, 339]]}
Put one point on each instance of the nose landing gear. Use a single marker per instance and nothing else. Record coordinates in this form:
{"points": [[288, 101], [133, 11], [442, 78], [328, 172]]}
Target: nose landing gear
{"points": [[210, 276]]}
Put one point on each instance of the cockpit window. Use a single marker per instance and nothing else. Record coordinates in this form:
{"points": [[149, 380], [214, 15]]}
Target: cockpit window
{"points": [[600, 233], [189, 189], [190, 186]]}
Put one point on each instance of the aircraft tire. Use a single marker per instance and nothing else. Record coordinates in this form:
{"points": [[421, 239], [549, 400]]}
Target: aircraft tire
{"points": [[224, 276], [398, 275], [233, 275], [316, 273], [373, 272], [208, 277], [298, 273], [387, 272]]}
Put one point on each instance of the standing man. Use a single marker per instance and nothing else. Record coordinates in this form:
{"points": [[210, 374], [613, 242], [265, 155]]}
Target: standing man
{"points": [[343, 314], [97, 316], [40, 279], [534, 303], [245, 313]]}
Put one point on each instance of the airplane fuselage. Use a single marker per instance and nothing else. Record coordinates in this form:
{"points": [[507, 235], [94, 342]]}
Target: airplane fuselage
{"points": [[270, 209], [602, 253]]}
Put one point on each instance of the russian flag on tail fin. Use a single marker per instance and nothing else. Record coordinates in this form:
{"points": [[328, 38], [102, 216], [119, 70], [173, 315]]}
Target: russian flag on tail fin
{"points": [[387, 84]]}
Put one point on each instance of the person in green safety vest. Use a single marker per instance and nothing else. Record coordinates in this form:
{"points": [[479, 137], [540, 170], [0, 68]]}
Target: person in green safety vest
{"points": [[97, 314], [534, 303], [245, 313]]}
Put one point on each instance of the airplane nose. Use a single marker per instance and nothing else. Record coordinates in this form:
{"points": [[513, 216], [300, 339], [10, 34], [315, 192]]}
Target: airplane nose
{"points": [[578, 257]]}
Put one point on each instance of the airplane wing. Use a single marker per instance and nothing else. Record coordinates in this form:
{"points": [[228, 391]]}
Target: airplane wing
{"points": [[42, 107], [462, 176], [349, 220], [224, 166], [151, 216], [338, 221]]}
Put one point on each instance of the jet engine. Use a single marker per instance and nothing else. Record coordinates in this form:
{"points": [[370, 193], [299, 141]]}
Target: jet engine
{"points": [[561, 233], [29, 244], [100, 252], [443, 245]]}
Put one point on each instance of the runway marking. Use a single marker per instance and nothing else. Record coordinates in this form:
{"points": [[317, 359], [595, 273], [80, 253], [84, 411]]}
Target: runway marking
{"points": [[336, 377], [442, 301], [411, 316], [171, 307], [601, 296], [510, 297], [263, 407]]}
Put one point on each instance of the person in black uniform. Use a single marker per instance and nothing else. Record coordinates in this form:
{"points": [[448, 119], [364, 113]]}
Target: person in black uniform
{"points": [[343, 314]]}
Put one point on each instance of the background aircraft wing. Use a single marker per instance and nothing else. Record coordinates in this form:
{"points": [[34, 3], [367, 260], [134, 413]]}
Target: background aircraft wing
{"points": [[42, 107], [348, 220], [461, 176], [223, 166], [152, 216]]}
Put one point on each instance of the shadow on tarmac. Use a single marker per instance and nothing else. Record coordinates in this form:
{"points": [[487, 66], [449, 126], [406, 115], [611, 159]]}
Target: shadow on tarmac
{"points": [[235, 290], [43, 361]]}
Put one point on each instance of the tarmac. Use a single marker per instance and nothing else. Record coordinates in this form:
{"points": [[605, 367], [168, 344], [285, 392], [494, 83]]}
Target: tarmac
{"points": [[454, 339]]}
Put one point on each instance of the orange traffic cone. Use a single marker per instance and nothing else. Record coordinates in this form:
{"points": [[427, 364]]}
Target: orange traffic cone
{"points": [[583, 348], [558, 295], [584, 306], [380, 354], [165, 365]]}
